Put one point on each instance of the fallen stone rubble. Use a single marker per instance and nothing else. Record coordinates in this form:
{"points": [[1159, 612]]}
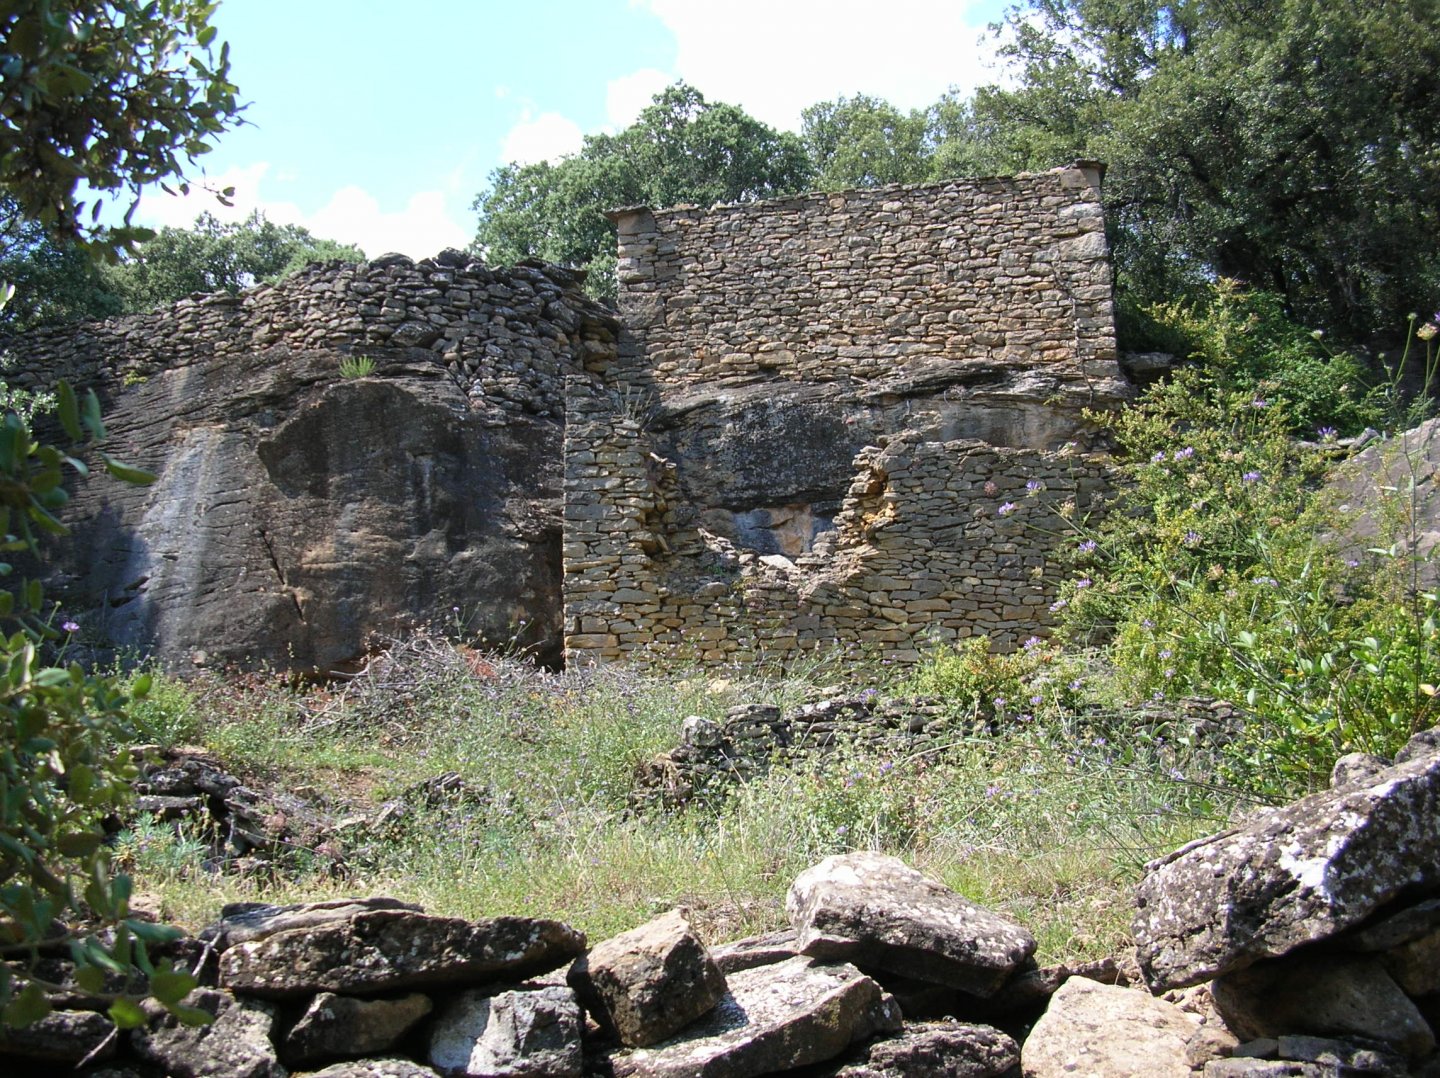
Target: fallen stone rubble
{"points": [[1304, 942]]}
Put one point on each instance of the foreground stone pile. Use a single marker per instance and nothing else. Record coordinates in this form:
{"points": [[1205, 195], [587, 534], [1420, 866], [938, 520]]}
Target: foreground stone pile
{"points": [[1305, 942]]}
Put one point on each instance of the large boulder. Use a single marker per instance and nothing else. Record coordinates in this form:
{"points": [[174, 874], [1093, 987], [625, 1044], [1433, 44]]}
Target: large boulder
{"points": [[881, 914], [389, 950], [1290, 876], [297, 512]]}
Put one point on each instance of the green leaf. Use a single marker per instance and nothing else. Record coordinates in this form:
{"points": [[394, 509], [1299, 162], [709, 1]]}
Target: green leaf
{"points": [[89, 979], [126, 1014], [170, 986], [125, 473], [90, 416], [29, 1006], [69, 409]]}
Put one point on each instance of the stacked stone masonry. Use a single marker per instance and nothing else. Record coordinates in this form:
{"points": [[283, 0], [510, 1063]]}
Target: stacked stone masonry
{"points": [[506, 336], [840, 421], [851, 286], [934, 542]]}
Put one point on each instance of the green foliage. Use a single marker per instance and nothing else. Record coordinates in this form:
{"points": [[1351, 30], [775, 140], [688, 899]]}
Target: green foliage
{"points": [[114, 94], [863, 141], [1210, 575], [996, 688], [54, 281], [356, 366], [1248, 345], [681, 149], [214, 256], [1290, 145], [63, 764]]}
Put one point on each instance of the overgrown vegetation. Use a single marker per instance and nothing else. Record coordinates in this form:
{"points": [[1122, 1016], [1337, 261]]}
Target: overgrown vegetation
{"points": [[1046, 817]]}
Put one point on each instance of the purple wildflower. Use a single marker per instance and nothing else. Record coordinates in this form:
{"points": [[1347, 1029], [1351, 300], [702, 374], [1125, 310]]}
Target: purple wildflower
{"points": [[1083, 582], [1186, 453], [1251, 477], [1087, 547], [70, 626], [1006, 509]]}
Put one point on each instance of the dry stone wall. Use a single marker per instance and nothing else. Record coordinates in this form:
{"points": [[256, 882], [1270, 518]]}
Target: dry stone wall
{"points": [[1010, 276], [934, 541], [505, 336], [840, 421]]}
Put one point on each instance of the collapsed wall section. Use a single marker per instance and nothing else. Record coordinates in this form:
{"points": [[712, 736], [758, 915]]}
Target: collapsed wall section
{"points": [[934, 542], [823, 414]]}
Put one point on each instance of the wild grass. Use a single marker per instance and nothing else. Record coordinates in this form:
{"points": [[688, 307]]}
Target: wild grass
{"points": [[1044, 819]]}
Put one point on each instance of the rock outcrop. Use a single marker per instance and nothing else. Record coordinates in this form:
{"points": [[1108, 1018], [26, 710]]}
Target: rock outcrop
{"points": [[298, 511]]}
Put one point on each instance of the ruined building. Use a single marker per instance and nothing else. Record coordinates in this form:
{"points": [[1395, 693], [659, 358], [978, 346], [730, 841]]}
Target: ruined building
{"points": [[833, 420]]}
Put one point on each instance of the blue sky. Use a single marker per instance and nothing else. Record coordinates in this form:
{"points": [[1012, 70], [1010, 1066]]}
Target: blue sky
{"points": [[376, 122]]}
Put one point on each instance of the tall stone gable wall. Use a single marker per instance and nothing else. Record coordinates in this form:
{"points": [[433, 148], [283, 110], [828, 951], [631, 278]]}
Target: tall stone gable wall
{"points": [[843, 420], [855, 285]]}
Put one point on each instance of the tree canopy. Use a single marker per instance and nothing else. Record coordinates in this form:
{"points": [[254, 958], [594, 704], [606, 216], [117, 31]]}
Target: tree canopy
{"points": [[111, 94], [213, 256], [681, 149], [1293, 145]]}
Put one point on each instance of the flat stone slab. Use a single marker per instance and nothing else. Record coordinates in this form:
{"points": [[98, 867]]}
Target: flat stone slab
{"points": [[773, 1018], [390, 950], [1291, 876], [235, 1045], [881, 914]]}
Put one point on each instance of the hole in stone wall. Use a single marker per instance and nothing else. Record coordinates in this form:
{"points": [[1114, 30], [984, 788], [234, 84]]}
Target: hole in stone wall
{"points": [[782, 529]]}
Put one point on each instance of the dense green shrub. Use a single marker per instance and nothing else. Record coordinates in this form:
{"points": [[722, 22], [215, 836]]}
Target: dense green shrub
{"points": [[1210, 575], [64, 766]]}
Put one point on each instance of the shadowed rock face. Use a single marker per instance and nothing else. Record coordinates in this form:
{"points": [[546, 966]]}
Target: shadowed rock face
{"points": [[297, 512]]}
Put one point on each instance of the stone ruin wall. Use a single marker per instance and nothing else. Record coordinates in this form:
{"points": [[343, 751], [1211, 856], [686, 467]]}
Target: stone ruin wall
{"points": [[818, 408], [1005, 276], [783, 445], [299, 513], [935, 541], [506, 336]]}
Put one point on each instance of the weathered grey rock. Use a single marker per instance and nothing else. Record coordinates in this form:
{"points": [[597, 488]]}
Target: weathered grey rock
{"points": [[390, 950], [59, 1037], [1405, 926], [235, 1045], [774, 1018], [1356, 767], [1328, 995], [936, 1050], [1345, 1056], [1290, 876], [522, 1034], [297, 511], [375, 1068], [645, 984], [1425, 743], [1092, 1028], [879, 913], [339, 1027], [754, 951], [1262, 1068], [241, 922]]}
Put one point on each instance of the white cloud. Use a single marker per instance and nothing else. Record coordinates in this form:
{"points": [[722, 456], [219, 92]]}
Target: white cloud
{"points": [[546, 137], [352, 215], [773, 59], [626, 96]]}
